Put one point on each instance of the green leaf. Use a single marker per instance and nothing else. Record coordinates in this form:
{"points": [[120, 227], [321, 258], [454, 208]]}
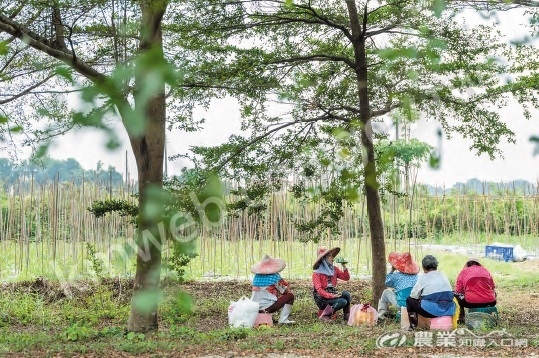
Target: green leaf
{"points": [[16, 129], [394, 54], [42, 150], [184, 303], [136, 123], [438, 6], [4, 48], [344, 153], [3, 119], [64, 72], [434, 161], [325, 162], [210, 204], [113, 143], [352, 194], [341, 134], [157, 200], [146, 301]]}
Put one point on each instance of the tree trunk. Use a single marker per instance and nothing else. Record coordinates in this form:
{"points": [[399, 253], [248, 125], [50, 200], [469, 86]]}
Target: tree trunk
{"points": [[370, 181], [148, 149]]}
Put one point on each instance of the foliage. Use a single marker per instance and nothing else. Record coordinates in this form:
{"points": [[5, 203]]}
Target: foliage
{"points": [[184, 207], [97, 265], [124, 207], [48, 170], [78, 333], [428, 67]]}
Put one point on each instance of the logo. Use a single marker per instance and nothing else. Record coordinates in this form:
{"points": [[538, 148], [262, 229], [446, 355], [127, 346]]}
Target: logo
{"points": [[391, 339]]}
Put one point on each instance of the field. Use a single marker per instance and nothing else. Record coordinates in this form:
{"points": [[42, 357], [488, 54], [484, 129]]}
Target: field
{"points": [[43, 318], [67, 277]]}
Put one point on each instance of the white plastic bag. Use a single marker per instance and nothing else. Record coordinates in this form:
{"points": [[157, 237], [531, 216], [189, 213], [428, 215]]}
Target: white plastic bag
{"points": [[230, 310], [362, 314], [242, 313]]}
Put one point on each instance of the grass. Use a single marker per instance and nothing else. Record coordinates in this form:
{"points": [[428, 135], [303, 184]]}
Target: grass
{"points": [[38, 321], [222, 259]]}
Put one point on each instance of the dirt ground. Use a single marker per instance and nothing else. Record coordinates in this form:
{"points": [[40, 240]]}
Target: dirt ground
{"points": [[518, 308]]}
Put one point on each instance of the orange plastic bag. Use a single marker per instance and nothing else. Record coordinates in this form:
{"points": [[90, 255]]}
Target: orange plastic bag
{"points": [[362, 314]]}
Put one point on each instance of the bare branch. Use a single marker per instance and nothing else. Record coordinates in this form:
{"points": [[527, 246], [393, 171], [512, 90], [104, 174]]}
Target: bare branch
{"points": [[26, 91], [267, 134], [318, 58]]}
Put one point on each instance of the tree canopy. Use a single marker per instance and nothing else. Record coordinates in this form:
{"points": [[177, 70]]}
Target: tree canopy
{"points": [[314, 77]]}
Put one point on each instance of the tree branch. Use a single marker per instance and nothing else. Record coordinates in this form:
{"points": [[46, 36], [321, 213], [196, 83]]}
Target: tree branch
{"points": [[266, 134], [386, 110], [26, 91], [318, 58], [43, 45], [381, 31]]}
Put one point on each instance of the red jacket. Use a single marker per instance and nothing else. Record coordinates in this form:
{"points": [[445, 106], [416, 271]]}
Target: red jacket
{"points": [[477, 285], [320, 281]]}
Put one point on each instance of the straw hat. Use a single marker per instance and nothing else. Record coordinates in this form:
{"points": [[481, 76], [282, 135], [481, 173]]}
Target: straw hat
{"points": [[403, 262], [322, 252], [268, 266]]}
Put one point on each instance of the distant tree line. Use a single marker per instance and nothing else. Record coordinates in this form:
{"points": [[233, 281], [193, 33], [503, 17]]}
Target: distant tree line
{"points": [[48, 170]]}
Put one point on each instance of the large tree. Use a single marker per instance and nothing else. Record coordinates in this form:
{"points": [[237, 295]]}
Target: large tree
{"points": [[111, 53], [334, 68]]}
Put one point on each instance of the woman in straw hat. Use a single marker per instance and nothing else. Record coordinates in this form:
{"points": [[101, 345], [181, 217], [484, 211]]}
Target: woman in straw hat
{"points": [[474, 288], [270, 291], [325, 277], [400, 280]]}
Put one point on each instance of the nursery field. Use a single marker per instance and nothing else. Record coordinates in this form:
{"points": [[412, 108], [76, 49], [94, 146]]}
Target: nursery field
{"points": [[49, 232], [87, 319], [67, 278]]}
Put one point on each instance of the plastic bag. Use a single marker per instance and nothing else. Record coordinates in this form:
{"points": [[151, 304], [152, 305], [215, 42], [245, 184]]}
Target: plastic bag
{"points": [[455, 317], [230, 309], [362, 314], [405, 319], [242, 313]]}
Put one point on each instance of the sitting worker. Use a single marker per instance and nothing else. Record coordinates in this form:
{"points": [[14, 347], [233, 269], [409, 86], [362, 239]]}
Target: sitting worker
{"points": [[432, 295], [400, 281], [270, 291], [325, 293], [474, 287]]}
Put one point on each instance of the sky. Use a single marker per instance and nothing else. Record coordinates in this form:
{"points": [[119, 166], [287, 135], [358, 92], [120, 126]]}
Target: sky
{"points": [[458, 163]]}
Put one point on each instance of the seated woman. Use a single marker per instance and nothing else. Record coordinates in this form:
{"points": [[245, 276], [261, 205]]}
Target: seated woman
{"points": [[400, 280], [474, 287], [432, 295], [325, 293], [270, 291]]}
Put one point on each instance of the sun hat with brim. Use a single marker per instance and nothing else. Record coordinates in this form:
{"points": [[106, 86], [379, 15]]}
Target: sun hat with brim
{"points": [[268, 266], [322, 252], [473, 259], [403, 262]]}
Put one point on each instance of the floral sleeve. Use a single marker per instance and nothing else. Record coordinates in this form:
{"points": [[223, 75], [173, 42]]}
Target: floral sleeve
{"points": [[282, 286]]}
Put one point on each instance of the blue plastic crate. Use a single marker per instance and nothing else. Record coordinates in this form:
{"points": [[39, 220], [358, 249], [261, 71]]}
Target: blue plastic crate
{"points": [[501, 253]]}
